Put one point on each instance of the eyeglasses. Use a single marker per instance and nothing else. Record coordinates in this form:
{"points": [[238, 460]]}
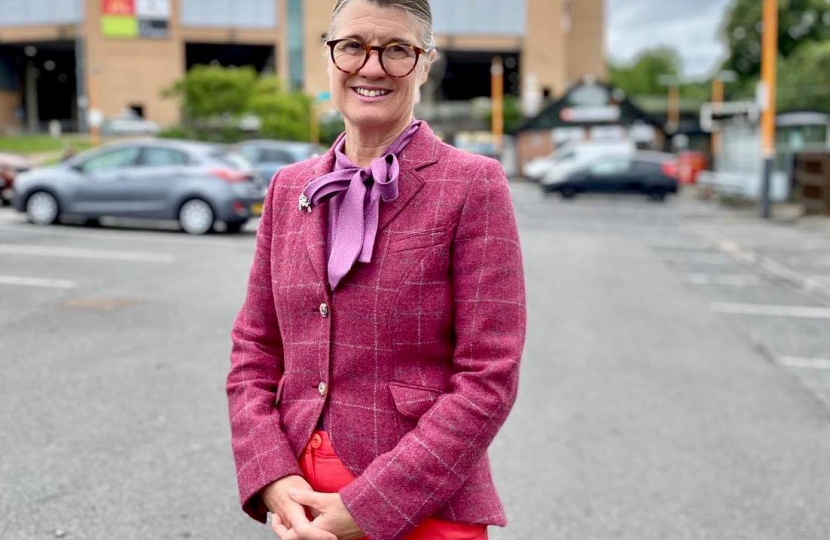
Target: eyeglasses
{"points": [[397, 59]]}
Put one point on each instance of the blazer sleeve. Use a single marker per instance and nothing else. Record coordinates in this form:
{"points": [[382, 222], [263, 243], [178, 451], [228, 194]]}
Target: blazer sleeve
{"points": [[401, 488], [260, 448]]}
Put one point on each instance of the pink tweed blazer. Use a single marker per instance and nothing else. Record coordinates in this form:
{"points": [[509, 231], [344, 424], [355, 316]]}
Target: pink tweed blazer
{"points": [[415, 356]]}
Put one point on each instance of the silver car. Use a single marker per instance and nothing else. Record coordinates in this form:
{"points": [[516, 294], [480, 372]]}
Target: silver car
{"points": [[197, 184], [269, 156]]}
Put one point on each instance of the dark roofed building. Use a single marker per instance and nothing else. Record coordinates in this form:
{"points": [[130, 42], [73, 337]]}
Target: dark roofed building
{"points": [[589, 110]]}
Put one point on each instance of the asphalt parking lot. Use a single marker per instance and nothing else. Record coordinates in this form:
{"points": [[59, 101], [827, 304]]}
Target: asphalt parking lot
{"points": [[668, 390]]}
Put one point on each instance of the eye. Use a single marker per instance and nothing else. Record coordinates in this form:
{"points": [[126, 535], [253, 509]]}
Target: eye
{"points": [[352, 46], [399, 51]]}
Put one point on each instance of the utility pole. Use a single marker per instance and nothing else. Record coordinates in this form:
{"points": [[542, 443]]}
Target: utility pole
{"points": [[718, 97], [768, 96], [673, 107], [497, 95]]}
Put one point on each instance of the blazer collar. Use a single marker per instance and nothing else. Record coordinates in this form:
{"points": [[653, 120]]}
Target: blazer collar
{"points": [[421, 151]]}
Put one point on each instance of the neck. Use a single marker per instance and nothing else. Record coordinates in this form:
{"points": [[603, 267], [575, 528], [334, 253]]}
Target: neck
{"points": [[362, 146]]}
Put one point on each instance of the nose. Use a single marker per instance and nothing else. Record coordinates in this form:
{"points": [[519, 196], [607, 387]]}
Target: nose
{"points": [[372, 68]]}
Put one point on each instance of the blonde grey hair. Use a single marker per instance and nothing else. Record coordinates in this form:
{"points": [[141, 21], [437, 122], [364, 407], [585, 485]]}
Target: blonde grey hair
{"points": [[417, 9]]}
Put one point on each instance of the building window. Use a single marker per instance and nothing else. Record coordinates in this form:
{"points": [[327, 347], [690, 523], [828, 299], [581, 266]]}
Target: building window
{"points": [[230, 13], [491, 17], [28, 12], [296, 39]]}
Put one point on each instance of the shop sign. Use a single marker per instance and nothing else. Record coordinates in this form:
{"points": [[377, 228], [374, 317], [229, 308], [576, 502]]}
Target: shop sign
{"points": [[135, 18]]}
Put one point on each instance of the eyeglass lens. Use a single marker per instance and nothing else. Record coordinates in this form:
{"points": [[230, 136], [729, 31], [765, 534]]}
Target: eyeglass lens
{"points": [[397, 59]]}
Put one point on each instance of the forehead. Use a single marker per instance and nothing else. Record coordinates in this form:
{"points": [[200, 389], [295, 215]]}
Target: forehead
{"points": [[376, 24]]}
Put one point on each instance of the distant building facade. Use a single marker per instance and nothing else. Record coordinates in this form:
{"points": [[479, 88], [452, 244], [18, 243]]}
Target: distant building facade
{"points": [[59, 58]]}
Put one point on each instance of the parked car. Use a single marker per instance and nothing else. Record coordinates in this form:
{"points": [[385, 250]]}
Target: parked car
{"points": [[10, 166], [128, 122], [195, 183], [270, 156], [571, 155], [646, 173]]}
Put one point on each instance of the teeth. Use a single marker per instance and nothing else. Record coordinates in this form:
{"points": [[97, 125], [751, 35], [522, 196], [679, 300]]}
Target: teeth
{"points": [[371, 93]]}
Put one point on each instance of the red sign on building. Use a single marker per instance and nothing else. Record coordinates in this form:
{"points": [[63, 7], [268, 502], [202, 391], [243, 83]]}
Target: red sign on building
{"points": [[118, 7]]}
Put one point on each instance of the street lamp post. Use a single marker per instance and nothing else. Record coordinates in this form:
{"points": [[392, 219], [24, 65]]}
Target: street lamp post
{"points": [[673, 110], [497, 95], [768, 96]]}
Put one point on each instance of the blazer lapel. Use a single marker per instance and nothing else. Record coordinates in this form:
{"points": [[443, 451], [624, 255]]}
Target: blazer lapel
{"points": [[314, 223], [420, 152]]}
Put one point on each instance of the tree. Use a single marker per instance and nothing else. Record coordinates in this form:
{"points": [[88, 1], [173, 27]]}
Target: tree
{"points": [[800, 22], [285, 116], [804, 78], [641, 77], [211, 91], [215, 99]]}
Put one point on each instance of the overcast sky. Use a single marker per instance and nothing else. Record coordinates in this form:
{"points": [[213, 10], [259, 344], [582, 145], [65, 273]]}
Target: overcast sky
{"points": [[691, 26]]}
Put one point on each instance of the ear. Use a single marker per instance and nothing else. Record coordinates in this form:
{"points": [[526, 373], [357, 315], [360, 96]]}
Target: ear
{"points": [[433, 56]]}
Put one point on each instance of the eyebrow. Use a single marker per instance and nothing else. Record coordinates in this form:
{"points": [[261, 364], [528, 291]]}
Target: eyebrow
{"points": [[391, 40]]}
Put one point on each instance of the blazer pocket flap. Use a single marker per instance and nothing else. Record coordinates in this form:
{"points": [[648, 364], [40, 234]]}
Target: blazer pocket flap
{"points": [[418, 239], [413, 401]]}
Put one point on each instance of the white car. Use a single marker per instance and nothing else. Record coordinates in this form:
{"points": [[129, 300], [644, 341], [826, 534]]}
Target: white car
{"points": [[576, 150], [128, 122], [574, 156]]}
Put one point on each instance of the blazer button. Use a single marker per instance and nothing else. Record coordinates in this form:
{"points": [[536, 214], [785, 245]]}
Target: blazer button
{"points": [[324, 311], [322, 388]]}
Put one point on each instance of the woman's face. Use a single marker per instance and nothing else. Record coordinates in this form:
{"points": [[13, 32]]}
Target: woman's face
{"points": [[379, 26]]}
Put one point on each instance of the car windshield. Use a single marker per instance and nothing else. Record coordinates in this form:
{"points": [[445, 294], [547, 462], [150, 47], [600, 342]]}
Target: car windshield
{"points": [[234, 160]]}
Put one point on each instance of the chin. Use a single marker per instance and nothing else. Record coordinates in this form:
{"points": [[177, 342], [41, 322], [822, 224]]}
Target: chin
{"points": [[375, 118]]}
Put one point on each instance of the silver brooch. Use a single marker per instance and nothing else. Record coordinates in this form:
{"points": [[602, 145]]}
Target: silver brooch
{"points": [[305, 204]]}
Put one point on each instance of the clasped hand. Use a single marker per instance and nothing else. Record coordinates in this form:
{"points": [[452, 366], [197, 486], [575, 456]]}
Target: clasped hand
{"points": [[288, 499]]}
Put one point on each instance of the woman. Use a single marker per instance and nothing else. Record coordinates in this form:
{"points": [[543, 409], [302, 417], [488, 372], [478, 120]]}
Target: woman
{"points": [[377, 352]]}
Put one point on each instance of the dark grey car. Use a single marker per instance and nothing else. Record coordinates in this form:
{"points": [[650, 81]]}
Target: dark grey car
{"points": [[197, 184]]}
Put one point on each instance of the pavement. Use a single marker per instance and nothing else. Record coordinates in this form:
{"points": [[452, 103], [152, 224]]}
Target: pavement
{"points": [[672, 386]]}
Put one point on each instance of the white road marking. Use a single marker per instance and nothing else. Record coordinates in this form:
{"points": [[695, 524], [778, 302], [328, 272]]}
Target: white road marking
{"points": [[77, 253], [731, 280], [804, 363], [37, 282], [700, 258], [801, 312], [122, 235]]}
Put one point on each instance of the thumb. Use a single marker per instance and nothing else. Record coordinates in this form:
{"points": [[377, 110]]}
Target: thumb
{"points": [[306, 497]]}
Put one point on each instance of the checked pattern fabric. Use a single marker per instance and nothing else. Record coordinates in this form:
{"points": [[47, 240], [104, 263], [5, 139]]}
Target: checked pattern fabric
{"points": [[415, 356]]}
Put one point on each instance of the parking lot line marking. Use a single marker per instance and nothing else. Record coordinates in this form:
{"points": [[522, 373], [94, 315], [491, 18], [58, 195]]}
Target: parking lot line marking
{"points": [[730, 280], [804, 363], [801, 312], [37, 282], [122, 235], [78, 253]]}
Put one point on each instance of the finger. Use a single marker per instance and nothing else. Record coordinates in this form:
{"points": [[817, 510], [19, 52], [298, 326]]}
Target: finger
{"points": [[306, 497], [294, 515], [283, 533], [311, 532]]}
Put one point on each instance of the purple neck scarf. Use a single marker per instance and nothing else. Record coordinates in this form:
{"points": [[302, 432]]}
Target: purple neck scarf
{"points": [[355, 195]]}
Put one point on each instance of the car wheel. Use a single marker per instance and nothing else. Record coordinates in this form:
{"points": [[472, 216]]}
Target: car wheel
{"points": [[236, 227], [42, 208], [196, 217], [657, 195], [567, 192]]}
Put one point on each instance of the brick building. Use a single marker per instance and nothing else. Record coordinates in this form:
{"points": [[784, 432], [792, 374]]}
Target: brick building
{"points": [[60, 57]]}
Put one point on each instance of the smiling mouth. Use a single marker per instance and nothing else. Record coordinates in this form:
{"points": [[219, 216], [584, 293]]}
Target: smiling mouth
{"points": [[365, 92]]}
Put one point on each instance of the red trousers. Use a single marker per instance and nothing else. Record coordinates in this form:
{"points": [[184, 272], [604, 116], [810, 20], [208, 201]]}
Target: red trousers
{"points": [[326, 473]]}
